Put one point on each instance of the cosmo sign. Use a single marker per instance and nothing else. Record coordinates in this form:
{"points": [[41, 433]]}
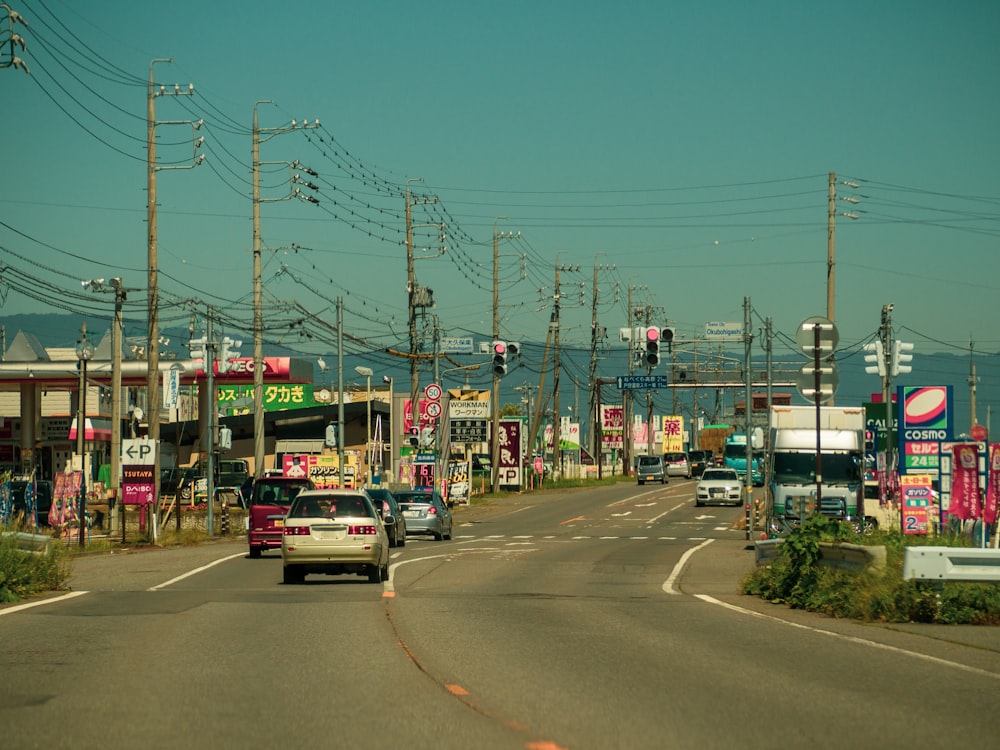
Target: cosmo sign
{"points": [[925, 412]]}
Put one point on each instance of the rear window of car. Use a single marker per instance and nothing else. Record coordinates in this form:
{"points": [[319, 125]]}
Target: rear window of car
{"points": [[267, 492], [696, 455], [649, 460], [330, 505], [676, 457], [721, 474], [415, 497]]}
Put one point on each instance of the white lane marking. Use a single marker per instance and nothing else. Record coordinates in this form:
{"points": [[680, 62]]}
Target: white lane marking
{"points": [[668, 585], [29, 605], [850, 638], [190, 573], [654, 519]]}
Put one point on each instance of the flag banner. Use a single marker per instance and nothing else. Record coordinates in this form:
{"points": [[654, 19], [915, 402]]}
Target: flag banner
{"points": [[965, 481], [992, 485]]}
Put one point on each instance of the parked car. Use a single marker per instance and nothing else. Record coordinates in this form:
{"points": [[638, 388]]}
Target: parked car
{"points": [[334, 532], [42, 500], [174, 478], [425, 513], [392, 517], [677, 464], [650, 469], [719, 486], [699, 462], [270, 499]]}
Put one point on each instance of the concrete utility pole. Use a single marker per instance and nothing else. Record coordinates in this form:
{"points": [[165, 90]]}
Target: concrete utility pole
{"points": [[495, 453], [748, 412], [153, 328], [258, 315], [416, 298], [596, 334], [556, 418]]}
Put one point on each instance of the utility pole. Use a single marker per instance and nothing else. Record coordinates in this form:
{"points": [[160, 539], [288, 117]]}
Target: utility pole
{"points": [[258, 314], [596, 334], [153, 324], [495, 403], [211, 428], [972, 387], [556, 421], [416, 298], [340, 393], [116, 404], [747, 412]]}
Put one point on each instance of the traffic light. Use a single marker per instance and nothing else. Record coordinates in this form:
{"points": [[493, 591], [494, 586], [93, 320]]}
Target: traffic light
{"points": [[876, 356], [667, 337], [499, 357], [900, 355], [652, 357], [330, 437], [513, 349], [414, 437], [869, 440], [197, 347], [230, 350]]}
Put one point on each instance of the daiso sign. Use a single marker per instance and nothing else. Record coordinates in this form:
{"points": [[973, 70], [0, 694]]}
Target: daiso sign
{"points": [[925, 412]]}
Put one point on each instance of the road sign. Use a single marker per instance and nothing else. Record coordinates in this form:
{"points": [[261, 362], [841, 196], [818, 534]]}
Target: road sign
{"points": [[434, 409], [455, 345], [138, 452], [978, 432], [640, 382], [433, 392], [829, 337], [805, 381]]}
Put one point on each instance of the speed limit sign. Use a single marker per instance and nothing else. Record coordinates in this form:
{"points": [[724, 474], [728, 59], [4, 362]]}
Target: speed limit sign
{"points": [[434, 409], [433, 392]]}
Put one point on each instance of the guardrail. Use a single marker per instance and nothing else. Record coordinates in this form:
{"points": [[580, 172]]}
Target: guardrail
{"points": [[30, 542], [951, 564], [842, 556]]}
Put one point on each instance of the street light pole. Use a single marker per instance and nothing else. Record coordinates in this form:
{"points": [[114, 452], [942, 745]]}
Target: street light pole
{"points": [[392, 454], [84, 351], [367, 372]]}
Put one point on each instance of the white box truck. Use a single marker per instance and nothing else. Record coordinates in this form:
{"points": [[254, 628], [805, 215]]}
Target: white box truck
{"points": [[799, 486]]}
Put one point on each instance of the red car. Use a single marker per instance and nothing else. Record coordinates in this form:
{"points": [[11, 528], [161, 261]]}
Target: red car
{"points": [[269, 501]]}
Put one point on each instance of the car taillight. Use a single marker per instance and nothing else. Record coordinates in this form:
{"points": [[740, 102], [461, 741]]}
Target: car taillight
{"points": [[432, 510], [296, 531], [361, 530]]}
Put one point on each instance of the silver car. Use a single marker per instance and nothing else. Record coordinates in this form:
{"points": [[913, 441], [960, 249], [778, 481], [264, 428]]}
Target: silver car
{"points": [[425, 513], [719, 486], [334, 532]]}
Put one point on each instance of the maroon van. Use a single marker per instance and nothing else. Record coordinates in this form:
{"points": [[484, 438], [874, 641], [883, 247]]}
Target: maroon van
{"points": [[269, 501]]}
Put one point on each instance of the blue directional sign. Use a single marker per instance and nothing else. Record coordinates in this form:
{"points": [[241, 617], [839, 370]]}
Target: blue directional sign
{"points": [[641, 382]]}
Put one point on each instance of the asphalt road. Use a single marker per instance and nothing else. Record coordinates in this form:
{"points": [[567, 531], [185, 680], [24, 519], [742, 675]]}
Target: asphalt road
{"points": [[602, 618]]}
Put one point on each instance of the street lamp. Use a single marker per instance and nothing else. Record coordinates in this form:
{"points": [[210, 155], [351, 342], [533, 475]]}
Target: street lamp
{"points": [[84, 351], [392, 442], [366, 372]]}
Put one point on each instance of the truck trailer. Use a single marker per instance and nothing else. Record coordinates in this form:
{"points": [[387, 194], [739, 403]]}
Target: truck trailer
{"points": [[800, 487]]}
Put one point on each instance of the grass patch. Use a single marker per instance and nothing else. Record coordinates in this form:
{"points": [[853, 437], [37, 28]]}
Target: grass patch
{"points": [[796, 579], [24, 574]]}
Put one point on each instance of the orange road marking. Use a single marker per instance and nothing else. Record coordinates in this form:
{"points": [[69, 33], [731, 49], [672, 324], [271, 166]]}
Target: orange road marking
{"points": [[570, 520]]}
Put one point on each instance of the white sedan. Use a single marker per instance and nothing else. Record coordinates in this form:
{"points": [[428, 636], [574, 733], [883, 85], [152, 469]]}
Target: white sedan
{"points": [[719, 486]]}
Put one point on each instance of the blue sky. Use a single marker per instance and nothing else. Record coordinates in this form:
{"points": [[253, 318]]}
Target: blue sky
{"points": [[682, 148]]}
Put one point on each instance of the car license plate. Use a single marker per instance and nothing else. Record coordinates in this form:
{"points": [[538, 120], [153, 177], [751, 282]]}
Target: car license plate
{"points": [[649, 478], [279, 523], [411, 514]]}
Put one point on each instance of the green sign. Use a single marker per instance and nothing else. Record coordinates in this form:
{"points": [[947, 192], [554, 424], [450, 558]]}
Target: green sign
{"points": [[238, 399]]}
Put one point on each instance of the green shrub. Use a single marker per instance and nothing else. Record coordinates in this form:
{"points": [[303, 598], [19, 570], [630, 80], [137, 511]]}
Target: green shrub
{"points": [[796, 578], [23, 574]]}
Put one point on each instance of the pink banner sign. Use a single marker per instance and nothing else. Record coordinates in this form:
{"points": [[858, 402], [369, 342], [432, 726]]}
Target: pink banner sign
{"points": [[965, 481], [992, 485]]}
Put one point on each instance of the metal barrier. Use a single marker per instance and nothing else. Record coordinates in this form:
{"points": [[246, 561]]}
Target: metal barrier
{"points": [[841, 556], [30, 542], [951, 564]]}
